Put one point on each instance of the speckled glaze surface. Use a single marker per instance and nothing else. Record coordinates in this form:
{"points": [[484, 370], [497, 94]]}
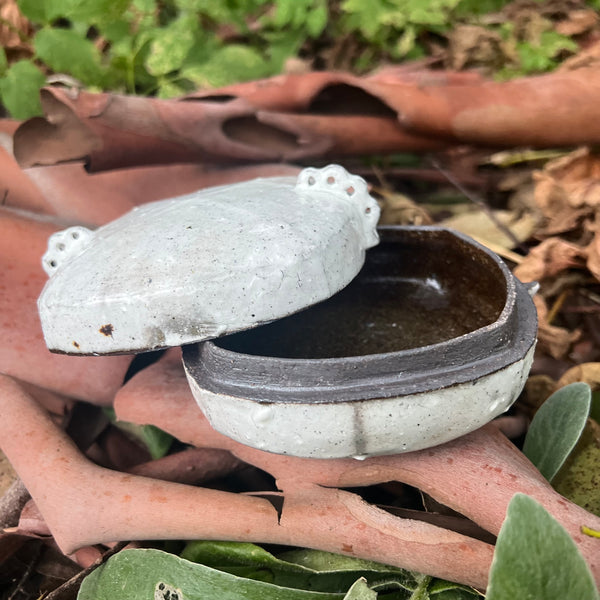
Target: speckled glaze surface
{"points": [[217, 261], [433, 339]]}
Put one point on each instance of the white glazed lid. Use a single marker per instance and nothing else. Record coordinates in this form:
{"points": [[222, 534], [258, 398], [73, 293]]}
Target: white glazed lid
{"points": [[207, 264]]}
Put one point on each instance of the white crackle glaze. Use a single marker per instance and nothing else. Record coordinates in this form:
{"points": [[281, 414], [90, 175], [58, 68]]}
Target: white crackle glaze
{"points": [[213, 262], [365, 428]]}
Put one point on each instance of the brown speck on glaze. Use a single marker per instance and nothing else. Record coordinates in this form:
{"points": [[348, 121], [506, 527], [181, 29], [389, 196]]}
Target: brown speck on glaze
{"points": [[75, 344], [106, 330]]}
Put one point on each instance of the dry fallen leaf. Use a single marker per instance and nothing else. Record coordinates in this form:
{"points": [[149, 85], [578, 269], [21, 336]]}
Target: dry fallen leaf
{"points": [[588, 373], [550, 258], [553, 340], [567, 191], [593, 261], [470, 45], [478, 224], [15, 29]]}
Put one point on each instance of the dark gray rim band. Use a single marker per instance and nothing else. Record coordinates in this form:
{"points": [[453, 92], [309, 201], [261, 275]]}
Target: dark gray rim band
{"points": [[459, 360]]}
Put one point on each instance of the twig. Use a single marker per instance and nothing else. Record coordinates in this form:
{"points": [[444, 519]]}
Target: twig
{"points": [[557, 306], [12, 503], [481, 204], [75, 581]]}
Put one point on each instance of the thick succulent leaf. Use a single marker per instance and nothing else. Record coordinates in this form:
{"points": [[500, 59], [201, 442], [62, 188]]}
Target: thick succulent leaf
{"points": [[556, 427], [536, 558], [157, 575]]}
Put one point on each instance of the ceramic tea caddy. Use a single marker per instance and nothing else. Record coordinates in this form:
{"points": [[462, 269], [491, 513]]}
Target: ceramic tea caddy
{"points": [[427, 339]]}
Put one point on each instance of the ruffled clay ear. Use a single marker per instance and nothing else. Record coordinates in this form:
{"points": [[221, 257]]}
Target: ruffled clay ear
{"points": [[336, 180]]}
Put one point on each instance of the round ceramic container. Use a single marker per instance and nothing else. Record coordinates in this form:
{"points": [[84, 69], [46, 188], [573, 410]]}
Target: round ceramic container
{"points": [[219, 260], [433, 339]]}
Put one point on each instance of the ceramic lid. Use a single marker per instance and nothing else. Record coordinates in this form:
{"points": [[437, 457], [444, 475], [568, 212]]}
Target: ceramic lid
{"points": [[207, 264]]}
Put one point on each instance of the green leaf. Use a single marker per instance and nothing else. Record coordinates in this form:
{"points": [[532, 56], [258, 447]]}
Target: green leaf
{"points": [[556, 427], [536, 558], [316, 19], [360, 590], [369, 17], [595, 408], [152, 574], [281, 46], [317, 570], [35, 10], [90, 12], [171, 89], [20, 90], [156, 440], [3, 62], [170, 46], [226, 65], [65, 51]]}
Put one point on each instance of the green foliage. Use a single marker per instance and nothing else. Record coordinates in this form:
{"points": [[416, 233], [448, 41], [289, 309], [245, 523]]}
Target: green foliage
{"points": [[19, 89], [65, 51], [536, 558], [156, 441], [556, 428], [232, 571]]}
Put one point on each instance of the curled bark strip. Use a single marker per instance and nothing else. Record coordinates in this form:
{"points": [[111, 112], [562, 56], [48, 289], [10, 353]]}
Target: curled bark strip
{"points": [[559, 109], [430, 109], [85, 504], [23, 352], [112, 131], [192, 466], [97, 198], [351, 135], [451, 473]]}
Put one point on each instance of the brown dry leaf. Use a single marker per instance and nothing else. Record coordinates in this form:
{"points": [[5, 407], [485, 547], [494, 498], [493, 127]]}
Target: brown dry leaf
{"points": [[586, 58], [578, 22], [478, 224], [553, 201], [538, 389], [475, 45], [578, 174], [397, 209], [567, 191], [549, 258], [588, 373], [593, 261], [553, 340], [15, 29]]}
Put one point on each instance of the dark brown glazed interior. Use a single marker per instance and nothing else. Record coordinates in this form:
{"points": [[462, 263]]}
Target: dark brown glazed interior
{"points": [[430, 309], [408, 295]]}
